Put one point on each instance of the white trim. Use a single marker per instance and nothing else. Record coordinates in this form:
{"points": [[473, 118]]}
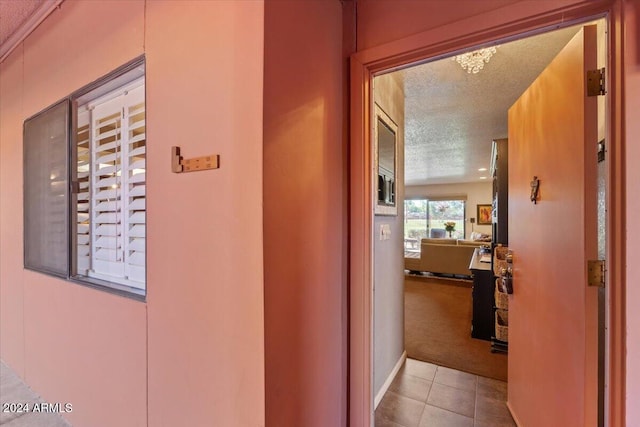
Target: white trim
{"points": [[389, 380], [27, 27]]}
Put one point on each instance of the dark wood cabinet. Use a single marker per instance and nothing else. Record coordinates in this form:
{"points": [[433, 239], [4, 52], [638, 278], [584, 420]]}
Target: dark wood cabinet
{"points": [[500, 219], [482, 321], [500, 174]]}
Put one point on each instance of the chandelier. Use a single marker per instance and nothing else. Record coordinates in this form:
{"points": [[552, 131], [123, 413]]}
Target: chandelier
{"points": [[474, 61]]}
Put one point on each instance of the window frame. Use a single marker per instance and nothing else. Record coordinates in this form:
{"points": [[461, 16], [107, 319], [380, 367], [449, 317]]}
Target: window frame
{"points": [[428, 200], [114, 80]]}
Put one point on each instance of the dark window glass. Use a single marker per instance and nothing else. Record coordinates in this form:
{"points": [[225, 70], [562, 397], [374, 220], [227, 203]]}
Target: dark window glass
{"points": [[46, 142]]}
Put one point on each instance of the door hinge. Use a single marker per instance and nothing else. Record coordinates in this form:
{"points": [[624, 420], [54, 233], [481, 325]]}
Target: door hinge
{"points": [[595, 273], [596, 82], [601, 151]]}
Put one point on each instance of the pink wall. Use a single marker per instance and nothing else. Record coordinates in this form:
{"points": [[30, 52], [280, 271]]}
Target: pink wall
{"points": [[63, 338], [194, 353], [304, 211], [632, 91], [205, 279], [11, 248], [380, 22]]}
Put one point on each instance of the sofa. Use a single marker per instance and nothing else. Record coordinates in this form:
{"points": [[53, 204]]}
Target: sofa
{"points": [[443, 256]]}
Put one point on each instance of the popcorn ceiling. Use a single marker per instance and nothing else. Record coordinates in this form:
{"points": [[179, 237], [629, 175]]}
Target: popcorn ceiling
{"points": [[451, 116], [14, 13]]}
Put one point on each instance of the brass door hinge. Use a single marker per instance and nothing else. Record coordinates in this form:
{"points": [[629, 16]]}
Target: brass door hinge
{"points": [[596, 82], [595, 273], [179, 164]]}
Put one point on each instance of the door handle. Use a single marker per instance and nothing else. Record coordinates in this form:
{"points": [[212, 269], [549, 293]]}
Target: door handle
{"points": [[506, 274]]}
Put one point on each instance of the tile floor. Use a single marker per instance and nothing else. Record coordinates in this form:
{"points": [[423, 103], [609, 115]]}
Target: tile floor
{"points": [[426, 395], [15, 393]]}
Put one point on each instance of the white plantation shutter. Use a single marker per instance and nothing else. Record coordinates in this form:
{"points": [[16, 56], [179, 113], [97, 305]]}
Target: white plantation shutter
{"points": [[106, 190], [83, 173], [135, 179], [112, 222]]}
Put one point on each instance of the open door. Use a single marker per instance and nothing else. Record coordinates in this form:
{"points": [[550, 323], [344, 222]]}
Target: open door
{"points": [[553, 363]]}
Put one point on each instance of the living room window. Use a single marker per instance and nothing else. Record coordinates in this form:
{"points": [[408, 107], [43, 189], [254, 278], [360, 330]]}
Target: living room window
{"points": [[426, 218], [98, 208]]}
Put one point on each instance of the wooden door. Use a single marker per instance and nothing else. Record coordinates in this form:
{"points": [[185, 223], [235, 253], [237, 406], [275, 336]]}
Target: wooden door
{"points": [[552, 341]]}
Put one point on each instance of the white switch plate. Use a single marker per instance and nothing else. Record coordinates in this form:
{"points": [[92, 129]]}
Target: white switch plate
{"points": [[385, 231]]}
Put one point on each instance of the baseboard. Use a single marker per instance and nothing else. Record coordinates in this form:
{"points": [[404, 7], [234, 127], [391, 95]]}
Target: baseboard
{"points": [[389, 380], [514, 416]]}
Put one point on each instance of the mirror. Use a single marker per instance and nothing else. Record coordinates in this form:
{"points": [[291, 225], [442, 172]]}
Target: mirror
{"points": [[385, 135]]}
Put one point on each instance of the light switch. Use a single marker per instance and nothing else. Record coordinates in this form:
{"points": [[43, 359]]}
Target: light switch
{"points": [[385, 231]]}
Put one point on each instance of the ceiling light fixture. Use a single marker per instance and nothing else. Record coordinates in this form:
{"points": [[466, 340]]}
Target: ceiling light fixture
{"points": [[483, 177], [474, 61], [482, 169]]}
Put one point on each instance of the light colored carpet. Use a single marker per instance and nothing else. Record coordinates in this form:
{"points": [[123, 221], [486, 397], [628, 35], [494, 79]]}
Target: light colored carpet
{"points": [[438, 328]]}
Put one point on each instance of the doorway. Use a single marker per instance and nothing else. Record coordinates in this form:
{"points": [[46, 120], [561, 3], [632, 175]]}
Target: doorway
{"points": [[468, 217]]}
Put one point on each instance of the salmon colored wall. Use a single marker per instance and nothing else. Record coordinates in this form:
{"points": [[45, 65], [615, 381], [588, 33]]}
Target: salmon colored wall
{"points": [[67, 340], [632, 91], [11, 248], [304, 211], [193, 354], [380, 22], [205, 276]]}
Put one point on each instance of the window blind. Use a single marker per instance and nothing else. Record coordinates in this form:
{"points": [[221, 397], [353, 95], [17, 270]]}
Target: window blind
{"points": [[111, 214]]}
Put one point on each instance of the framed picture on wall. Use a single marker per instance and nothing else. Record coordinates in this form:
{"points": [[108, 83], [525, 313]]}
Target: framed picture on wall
{"points": [[484, 214]]}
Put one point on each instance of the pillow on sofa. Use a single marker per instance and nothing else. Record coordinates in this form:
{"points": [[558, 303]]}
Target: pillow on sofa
{"points": [[480, 237], [439, 241], [476, 243]]}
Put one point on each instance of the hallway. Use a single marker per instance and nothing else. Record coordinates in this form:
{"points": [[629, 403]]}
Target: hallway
{"points": [[427, 395]]}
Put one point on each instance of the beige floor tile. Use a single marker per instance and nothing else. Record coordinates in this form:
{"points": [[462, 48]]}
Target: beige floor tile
{"points": [[420, 369], [457, 379], [438, 417], [452, 399], [383, 422], [478, 423], [493, 412], [494, 389], [409, 386], [400, 409]]}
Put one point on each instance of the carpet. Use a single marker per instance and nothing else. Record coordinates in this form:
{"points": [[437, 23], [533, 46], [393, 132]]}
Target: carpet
{"points": [[438, 327]]}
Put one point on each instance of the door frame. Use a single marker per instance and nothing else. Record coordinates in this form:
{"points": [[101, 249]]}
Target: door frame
{"points": [[432, 45]]}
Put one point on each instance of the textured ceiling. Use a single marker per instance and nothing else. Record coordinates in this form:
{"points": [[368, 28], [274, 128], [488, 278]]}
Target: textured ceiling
{"points": [[14, 13], [452, 116]]}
